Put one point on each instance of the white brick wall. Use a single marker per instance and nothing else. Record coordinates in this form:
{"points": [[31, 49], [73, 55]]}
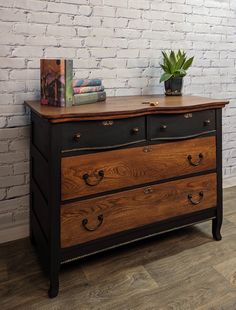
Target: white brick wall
{"points": [[119, 41]]}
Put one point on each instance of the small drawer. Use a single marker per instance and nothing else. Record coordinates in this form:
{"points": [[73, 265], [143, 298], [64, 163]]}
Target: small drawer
{"points": [[105, 171], [99, 217], [180, 126], [104, 134]]}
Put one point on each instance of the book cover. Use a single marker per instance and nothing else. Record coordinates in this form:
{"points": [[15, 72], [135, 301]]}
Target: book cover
{"points": [[86, 82], [87, 89], [56, 82], [89, 97]]}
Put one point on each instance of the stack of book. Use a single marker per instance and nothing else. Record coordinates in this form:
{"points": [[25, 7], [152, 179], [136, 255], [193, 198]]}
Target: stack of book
{"points": [[58, 88], [88, 91]]}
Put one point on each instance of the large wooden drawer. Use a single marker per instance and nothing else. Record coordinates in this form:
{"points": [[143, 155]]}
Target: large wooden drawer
{"points": [[98, 217], [104, 134], [179, 126], [104, 171]]}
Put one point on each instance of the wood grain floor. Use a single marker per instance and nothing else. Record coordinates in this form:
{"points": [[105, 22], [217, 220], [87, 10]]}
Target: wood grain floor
{"points": [[184, 269]]}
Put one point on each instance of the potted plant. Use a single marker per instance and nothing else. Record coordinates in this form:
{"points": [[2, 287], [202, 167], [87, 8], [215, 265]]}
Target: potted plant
{"points": [[175, 66]]}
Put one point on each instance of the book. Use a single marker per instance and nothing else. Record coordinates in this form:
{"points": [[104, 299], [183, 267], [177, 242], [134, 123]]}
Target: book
{"points": [[89, 97], [86, 82], [56, 77], [87, 89]]}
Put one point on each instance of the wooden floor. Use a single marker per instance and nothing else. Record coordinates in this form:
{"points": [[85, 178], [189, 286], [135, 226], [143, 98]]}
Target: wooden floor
{"points": [[184, 269]]}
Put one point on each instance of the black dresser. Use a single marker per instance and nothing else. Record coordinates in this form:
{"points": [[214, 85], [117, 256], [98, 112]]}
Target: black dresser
{"points": [[106, 174]]}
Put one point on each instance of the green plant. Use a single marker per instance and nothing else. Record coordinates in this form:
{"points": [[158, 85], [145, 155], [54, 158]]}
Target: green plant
{"points": [[175, 65]]}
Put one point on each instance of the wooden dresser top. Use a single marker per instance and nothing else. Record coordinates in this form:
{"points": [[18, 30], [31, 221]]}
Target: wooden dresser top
{"points": [[124, 107]]}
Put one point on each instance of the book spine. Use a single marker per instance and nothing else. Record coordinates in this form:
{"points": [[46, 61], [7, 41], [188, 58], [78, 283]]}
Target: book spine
{"points": [[89, 98], [88, 89], [68, 83], [86, 82]]}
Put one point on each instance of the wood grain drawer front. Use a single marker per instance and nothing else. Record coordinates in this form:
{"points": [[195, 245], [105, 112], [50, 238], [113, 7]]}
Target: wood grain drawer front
{"points": [[169, 127], [103, 134], [95, 218], [100, 172]]}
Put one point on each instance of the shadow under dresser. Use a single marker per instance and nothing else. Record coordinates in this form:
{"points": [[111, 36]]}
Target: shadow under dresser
{"points": [[110, 173]]}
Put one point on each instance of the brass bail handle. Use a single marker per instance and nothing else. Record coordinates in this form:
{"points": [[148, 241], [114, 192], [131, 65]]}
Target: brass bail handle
{"points": [[85, 223], [196, 202], [197, 163], [99, 176]]}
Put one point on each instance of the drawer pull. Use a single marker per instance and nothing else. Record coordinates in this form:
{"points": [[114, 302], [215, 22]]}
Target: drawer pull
{"points": [[77, 137], [135, 130], [195, 163], [99, 176], [190, 198], [163, 127], [207, 122], [85, 223]]}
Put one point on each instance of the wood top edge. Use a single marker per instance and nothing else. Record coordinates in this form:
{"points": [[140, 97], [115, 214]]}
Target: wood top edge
{"points": [[127, 106]]}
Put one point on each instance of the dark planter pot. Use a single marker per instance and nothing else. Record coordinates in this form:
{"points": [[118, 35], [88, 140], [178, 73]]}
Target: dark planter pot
{"points": [[173, 86]]}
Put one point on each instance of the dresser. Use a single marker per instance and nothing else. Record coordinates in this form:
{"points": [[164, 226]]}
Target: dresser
{"points": [[108, 174]]}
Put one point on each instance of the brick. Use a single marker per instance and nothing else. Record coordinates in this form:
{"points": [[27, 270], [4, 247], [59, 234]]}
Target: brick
{"points": [[11, 180], [62, 8], [12, 63], [139, 4], [123, 3], [21, 168], [60, 31], [85, 10], [43, 17], [17, 191], [24, 28], [104, 11], [30, 5]]}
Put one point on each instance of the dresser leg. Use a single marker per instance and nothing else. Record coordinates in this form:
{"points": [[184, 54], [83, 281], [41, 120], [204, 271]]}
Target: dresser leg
{"points": [[216, 227], [54, 288]]}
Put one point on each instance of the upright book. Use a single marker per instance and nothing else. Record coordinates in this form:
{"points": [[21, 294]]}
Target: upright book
{"points": [[56, 82]]}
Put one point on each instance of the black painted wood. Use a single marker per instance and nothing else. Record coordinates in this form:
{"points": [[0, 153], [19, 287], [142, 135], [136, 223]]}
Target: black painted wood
{"points": [[217, 222], [102, 134], [173, 127]]}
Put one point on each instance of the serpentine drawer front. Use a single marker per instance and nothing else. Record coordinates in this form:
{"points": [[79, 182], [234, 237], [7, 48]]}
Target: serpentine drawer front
{"points": [[94, 218], [113, 172], [100, 172], [103, 134], [169, 127]]}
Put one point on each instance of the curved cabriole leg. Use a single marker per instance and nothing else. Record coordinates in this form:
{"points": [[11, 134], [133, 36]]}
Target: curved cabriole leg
{"points": [[216, 227], [53, 289]]}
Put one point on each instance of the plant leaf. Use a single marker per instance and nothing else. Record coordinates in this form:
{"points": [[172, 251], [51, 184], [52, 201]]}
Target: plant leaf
{"points": [[167, 62], [188, 63], [180, 73], [180, 63], [165, 68], [165, 77], [173, 58]]}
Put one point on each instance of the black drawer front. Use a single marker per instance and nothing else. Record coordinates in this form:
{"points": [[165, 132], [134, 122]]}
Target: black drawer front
{"points": [[103, 134], [180, 126]]}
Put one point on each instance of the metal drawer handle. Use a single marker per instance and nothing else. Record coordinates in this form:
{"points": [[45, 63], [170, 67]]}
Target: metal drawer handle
{"points": [[85, 223], [190, 198], [207, 122], [77, 136], [195, 163], [135, 130], [99, 176], [163, 127]]}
